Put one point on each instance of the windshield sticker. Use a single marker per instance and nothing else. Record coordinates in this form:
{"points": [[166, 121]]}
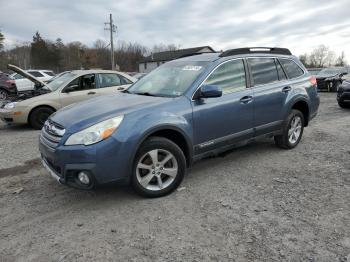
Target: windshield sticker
{"points": [[192, 68]]}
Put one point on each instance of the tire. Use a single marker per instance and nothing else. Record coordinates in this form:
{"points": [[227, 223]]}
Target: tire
{"points": [[148, 179], [3, 95], [343, 104], [285, 140], [38, 117], [335, 86]]}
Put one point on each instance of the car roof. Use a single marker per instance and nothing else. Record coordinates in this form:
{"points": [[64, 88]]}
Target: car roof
{"points": [[211, 57]]}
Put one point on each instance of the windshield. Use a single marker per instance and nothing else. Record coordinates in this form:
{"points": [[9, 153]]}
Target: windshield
{"points": [[61, 80], [332, 71], [171, 79]]}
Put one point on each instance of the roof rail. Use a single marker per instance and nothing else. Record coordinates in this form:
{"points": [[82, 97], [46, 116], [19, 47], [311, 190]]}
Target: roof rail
{"points": [[253, 50]]}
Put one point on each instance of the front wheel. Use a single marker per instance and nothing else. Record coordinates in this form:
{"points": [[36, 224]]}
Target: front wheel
{"points": [[292, 131], [3, 94], [159, 167], [38, 117]]}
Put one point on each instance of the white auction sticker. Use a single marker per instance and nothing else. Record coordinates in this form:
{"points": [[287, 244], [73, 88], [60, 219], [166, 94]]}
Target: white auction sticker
{"points": [[192, 68]]}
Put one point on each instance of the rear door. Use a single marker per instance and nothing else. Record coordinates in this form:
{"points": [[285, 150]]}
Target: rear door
{"points": [[224, 120], [111, 82], [271, 89], [83, 88]]}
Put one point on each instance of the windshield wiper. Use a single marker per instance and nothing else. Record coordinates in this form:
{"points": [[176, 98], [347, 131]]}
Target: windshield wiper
{"points": [[144, 94]]}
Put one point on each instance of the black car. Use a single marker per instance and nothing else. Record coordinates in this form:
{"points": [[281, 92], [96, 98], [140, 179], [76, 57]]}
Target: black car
{"points": [[330, 79], [7, 86], [343, 94]]}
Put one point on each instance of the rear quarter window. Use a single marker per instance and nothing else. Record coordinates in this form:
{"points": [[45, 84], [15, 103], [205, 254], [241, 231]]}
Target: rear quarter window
{"points": [[291, 68], [35, 73]]}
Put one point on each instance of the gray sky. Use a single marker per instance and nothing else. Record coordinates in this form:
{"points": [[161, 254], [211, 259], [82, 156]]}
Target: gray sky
{"points": [[298, 25]]}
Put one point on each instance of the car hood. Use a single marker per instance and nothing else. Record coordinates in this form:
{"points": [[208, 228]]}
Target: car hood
{"points": [[81, 115], [25, 74]]}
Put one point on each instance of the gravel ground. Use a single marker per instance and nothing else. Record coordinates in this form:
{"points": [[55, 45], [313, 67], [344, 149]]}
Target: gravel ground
{"points": [[256, 203]]}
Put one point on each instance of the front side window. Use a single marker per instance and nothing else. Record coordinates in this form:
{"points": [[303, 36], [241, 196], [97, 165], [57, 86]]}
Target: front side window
{"points": [[82, 83], [263, 70], [229, 76], [292, 69]]}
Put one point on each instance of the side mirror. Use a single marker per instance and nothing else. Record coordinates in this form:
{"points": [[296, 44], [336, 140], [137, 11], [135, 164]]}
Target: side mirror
{"points": [[208, 91], [69, 89]]}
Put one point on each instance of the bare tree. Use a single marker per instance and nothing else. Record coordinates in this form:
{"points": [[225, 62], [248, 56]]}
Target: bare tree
{"points": [[341, 61], [321, 56], [2, 39]]}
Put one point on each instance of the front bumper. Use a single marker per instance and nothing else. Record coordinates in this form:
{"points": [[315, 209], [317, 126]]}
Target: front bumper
{"points": [[105, 162], [13, 116], [343, 96]]}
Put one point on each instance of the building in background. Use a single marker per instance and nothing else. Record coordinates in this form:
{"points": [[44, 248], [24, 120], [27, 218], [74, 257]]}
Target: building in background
{"points": [[151, 62]]}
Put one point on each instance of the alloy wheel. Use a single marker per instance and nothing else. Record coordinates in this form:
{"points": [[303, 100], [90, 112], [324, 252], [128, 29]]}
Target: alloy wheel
{"points": [[295, 129], [3, 95], [156, 169]]}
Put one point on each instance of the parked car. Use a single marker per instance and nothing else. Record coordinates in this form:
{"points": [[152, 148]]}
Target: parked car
{"points": [[24, 84], [330, 78], [7, 87], [314, 71], [185, 110], [343, 93], [139, 75], [67, 89]]}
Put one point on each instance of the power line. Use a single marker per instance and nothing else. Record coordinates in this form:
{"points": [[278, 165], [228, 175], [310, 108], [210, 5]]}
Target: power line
{"points": [[112, 29]]}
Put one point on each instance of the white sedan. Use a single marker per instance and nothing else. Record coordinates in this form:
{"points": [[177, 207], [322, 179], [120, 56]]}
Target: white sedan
{"points": [[24, 84]]}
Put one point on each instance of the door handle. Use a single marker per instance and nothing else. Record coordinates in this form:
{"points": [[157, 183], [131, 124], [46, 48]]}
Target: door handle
{"points": [[246, 99], [286, 89], [91, 93]]}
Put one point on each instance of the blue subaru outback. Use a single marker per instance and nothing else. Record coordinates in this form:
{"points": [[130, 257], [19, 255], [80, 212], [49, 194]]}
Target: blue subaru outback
{"points": [[185, 110]]}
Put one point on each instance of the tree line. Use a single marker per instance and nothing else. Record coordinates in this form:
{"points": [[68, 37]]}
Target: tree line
{"points": [[59, 56], [322, 56]]}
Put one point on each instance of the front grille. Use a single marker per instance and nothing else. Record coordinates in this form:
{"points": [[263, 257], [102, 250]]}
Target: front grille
{"points": [[51, 134], [321, 84]]}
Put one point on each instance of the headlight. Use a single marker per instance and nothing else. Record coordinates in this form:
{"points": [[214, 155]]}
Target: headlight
{"points": [[10, 105], [95, 133]]}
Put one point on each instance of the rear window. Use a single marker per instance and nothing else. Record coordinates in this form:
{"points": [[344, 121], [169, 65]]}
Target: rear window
{"points": [[35, 73], [263, 70], [291, 68]]}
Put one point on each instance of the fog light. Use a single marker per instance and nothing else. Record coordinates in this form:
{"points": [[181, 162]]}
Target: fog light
{"points": [[83, 178]]}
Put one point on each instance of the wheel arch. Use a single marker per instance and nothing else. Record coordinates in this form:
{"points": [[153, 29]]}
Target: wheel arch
{"points": [[174, 134], [303, 106], [39, 106]]}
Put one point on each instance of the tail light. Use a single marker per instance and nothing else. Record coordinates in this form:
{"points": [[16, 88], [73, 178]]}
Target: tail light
{"points": [[10, 82], [313, 81]]}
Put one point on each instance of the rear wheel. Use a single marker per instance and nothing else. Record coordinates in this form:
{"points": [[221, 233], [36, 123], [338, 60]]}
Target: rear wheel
{"points": [[292, 131], [159, 167], [3, 94], [39, 116]]}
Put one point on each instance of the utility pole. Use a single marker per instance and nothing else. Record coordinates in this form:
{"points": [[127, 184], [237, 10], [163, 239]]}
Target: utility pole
{"points": [[111, 28]]}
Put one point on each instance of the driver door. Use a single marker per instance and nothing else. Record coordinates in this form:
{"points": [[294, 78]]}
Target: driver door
{"points": [[80, 89], [225, 120]]}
